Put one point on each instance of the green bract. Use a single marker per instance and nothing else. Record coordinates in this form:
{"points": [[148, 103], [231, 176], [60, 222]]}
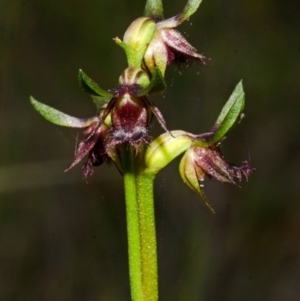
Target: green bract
{"points": [[189, 9], [154, 9], [90, 86], [60, 118], [230, 113]]}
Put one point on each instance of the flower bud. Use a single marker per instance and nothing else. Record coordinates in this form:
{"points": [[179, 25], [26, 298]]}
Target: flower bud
{"points": [[134, 76], [166, 148], [139, 33], [156, 55], [169, 46], [136, 40]]}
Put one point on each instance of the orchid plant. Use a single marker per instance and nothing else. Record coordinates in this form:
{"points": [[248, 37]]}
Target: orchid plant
{"points": [[119, 133]]}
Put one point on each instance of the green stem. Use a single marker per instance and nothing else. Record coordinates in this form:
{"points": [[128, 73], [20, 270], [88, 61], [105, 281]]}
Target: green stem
{"points": [[140, 226], [133, 228], [147, 236], [154, 8]]}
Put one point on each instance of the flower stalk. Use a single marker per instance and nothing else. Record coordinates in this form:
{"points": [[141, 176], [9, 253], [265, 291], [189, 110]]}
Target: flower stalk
{"points": [[133, 223], [142, 250], [148, 235]]}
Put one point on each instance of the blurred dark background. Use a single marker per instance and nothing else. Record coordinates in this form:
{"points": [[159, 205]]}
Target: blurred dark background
{"points": [[64, 239]]}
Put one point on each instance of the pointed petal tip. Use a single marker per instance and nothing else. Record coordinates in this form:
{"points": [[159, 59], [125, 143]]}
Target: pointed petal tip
{"points": [[68, 168], [204, 198], [72, 164]]}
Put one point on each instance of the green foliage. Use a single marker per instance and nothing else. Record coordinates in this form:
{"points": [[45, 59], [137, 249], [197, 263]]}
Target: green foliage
{"points": [[230, 113], [60, 118], [89, 86]]}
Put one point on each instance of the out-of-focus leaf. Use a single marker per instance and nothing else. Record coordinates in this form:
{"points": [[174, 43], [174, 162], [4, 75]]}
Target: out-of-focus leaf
{"points": [[230, 113], [154, 9], [60, 118], [90, 86]]}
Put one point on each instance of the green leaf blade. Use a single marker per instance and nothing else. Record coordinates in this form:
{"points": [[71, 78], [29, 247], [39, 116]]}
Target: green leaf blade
{"points": [[154, 9], [60, 118], [189, 9], [89, 86], [230, 113]]}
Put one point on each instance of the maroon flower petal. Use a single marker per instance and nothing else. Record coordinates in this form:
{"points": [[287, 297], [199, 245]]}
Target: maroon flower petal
{"points": [[86, 145], [213, 164], [180, 50]]}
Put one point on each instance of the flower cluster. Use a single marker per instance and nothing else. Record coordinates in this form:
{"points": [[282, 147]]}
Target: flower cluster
{"points": [[124, 115], [166, 45], [152, 42], [202, 156]]}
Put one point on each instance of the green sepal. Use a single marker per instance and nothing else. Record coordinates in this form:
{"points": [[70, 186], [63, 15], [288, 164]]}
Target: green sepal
{"points": [[192, 176], [157, 83], [60, 118], [154, 9], [89, 86], [230, 114]]}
